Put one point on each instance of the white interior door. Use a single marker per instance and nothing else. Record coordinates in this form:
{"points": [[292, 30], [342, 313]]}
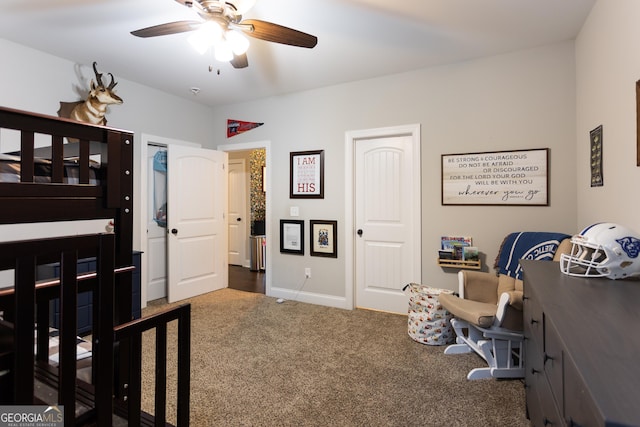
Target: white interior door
{"points": [[386, 216], [156, 233], [197, 229], [237, 220]]}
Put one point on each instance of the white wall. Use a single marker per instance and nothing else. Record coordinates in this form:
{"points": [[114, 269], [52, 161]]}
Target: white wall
{"points": [[36, 81], [516, 101], [520, 100], [607, 68]]}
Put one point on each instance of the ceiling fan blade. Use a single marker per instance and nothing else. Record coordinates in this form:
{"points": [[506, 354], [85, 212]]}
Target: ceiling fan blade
{"points": [[240, 61], [168, 28], [271, 32]]}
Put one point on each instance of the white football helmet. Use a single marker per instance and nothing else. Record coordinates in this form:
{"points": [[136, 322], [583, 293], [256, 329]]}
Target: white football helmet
{"points": [[603, 250]]}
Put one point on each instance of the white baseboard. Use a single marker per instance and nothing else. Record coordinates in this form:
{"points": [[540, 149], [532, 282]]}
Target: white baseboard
{"points": [[309, 297]]}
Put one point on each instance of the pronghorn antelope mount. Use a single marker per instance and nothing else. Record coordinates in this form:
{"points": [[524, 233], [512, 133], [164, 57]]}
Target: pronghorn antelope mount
{"points": [[93, 109]]}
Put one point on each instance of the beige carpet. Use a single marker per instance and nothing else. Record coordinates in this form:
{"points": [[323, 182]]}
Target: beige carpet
{"points": [[255, 362]]}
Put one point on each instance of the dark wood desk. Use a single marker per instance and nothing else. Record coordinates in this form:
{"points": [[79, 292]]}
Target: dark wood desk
{"points": [[582, 348]]}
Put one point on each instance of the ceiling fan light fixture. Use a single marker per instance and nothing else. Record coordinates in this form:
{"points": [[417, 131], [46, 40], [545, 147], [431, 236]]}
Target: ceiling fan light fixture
{"points": [[238, 42], [206, 36], [223, 52], [198, 43], [222, 28]]}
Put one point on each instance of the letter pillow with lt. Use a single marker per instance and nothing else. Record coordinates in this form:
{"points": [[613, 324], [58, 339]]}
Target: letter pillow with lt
{"points": [[603, 250]]}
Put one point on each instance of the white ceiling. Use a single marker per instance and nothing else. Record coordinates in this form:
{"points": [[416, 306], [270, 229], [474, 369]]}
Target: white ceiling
{"points": [[357, 39]]}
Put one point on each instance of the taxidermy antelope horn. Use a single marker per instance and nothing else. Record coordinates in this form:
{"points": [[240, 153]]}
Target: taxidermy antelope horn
{"points": [[98, 75]]}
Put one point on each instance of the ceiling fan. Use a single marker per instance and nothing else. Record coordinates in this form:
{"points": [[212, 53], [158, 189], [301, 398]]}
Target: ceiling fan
{"points": [[223, 29]]}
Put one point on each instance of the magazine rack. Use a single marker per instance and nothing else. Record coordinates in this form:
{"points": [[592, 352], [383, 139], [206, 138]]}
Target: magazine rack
{"points": [[458, 252], [457, 263]]}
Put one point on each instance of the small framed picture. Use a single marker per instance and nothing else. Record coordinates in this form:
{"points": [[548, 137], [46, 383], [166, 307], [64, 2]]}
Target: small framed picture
{"points": [[324, 238], [292, 236], [306, 180], [595, 136]]}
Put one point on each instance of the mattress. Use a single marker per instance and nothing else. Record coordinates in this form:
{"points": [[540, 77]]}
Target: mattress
{"points": [[10, 170]]}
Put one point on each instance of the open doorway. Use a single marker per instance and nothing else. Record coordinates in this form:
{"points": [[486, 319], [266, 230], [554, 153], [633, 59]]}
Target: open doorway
{"points": [[246, 220], [250, 271]]}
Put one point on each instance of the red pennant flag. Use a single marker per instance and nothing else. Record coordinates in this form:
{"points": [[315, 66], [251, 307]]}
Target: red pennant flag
{"points": [[235, 127]]}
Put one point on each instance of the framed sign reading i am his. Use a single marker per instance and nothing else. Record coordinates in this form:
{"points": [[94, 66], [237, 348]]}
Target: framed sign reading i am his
{"points": [[307, 175]]}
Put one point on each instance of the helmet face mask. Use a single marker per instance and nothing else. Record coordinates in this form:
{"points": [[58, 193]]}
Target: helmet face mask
{"points": [[603, 250], [585, 261]]}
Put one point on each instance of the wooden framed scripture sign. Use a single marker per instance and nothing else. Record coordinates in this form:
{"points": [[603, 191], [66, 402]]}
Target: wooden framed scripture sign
{"points": [[496, 178], [307, 175]]}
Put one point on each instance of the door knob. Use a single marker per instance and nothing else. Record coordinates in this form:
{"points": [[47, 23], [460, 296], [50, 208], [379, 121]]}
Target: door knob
{"points": [[174, 231], [359, 232], [238, 219]]}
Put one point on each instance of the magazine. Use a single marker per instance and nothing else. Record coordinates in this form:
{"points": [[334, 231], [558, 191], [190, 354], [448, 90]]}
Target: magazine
{"points": [[470, 253], [455, 244]]}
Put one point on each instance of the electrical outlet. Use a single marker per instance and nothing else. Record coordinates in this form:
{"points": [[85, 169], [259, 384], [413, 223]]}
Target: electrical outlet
{"points": [[307, 272]]}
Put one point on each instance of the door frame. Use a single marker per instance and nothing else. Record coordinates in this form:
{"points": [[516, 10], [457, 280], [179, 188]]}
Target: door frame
{"points": [[246, 214], [351, 137], [270, 246], [140, 202]]}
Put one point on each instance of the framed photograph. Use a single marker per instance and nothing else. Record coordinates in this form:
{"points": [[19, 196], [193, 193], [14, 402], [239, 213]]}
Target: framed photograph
{"points": [[595, 159], [307, 175], [292, 236], [515, 178], [324, 238]]}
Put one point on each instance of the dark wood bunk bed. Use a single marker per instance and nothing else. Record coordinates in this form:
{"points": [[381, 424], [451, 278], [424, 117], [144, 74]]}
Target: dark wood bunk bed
{"points": [[111, 393]]}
